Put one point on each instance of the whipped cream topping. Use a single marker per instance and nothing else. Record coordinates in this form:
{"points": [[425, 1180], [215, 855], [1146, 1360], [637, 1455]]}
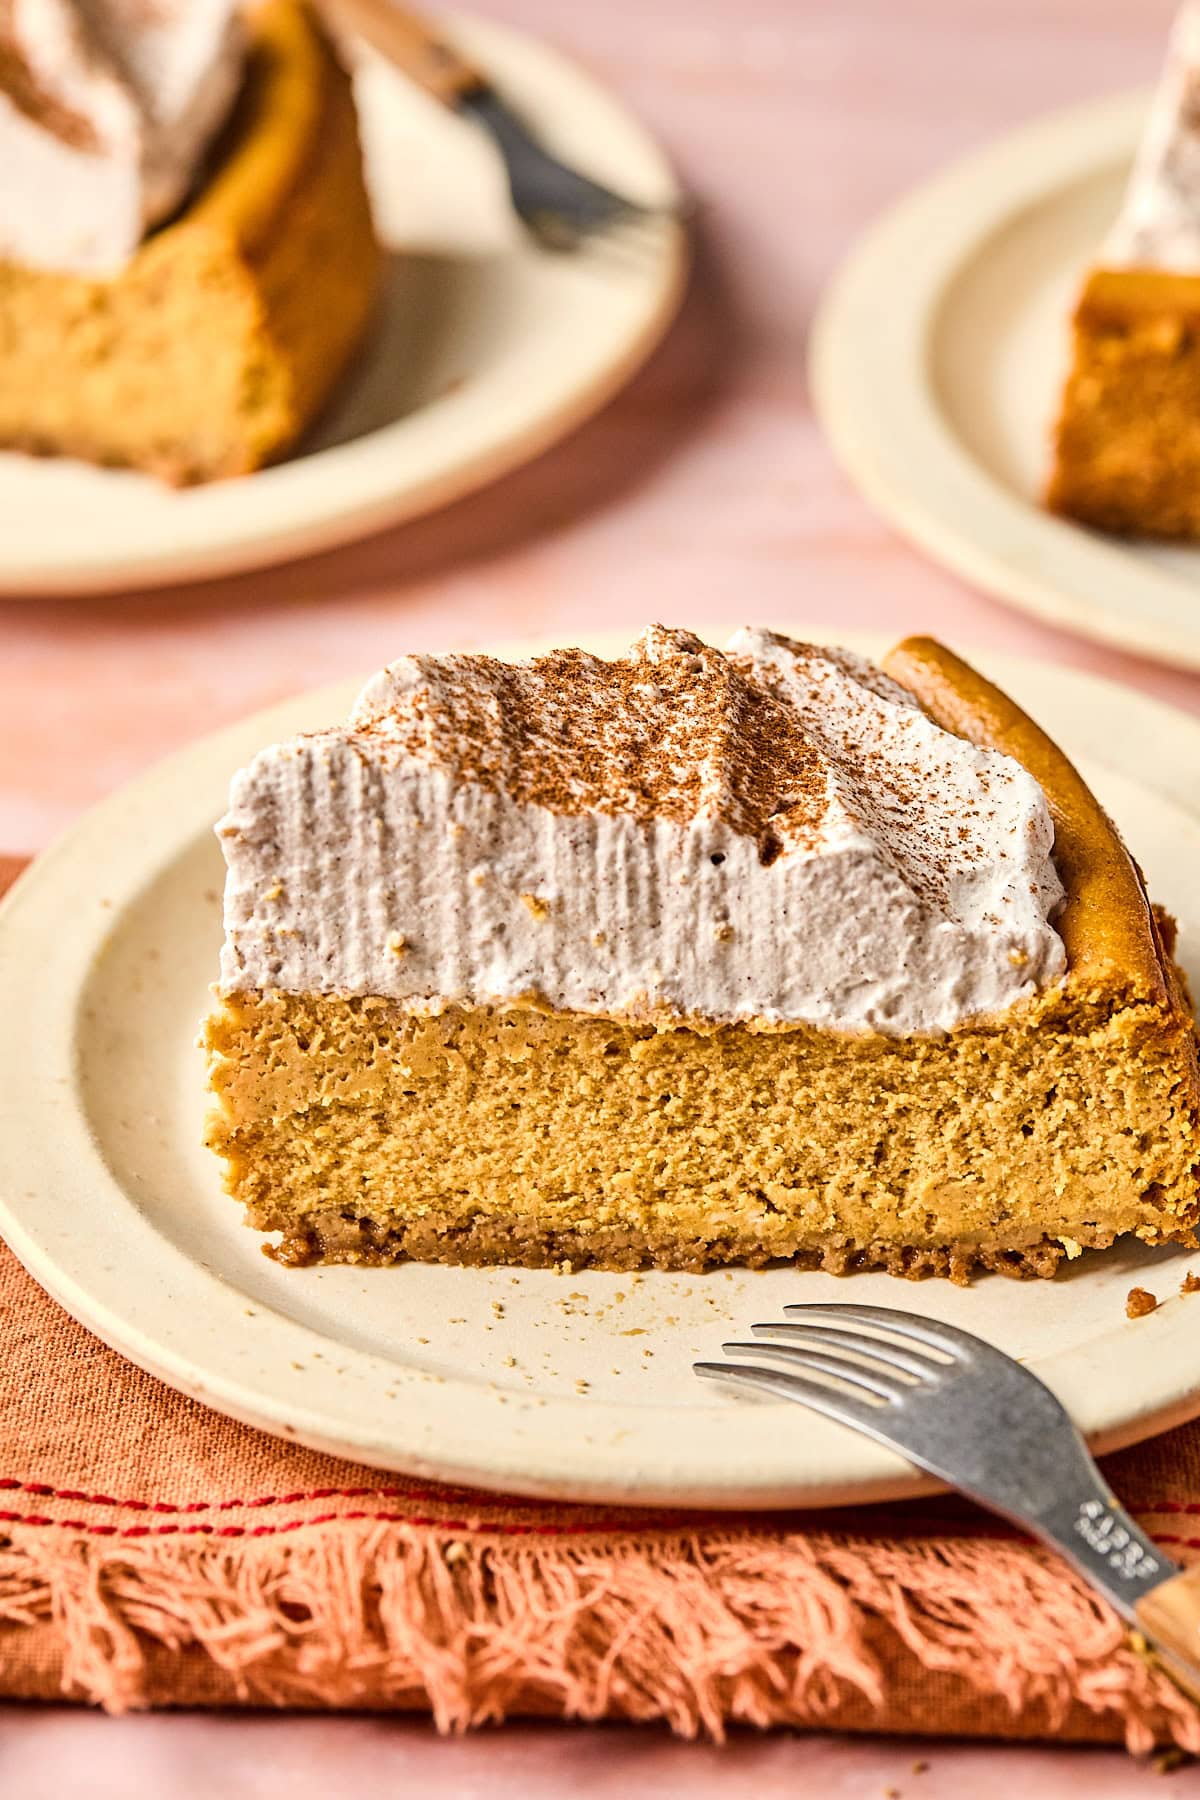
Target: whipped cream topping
{"points": [[1158, 226], [776, 833], [106, 110]]}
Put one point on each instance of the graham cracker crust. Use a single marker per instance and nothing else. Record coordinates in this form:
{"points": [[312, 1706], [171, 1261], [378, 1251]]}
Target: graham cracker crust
{"points": [[338, 1236]]}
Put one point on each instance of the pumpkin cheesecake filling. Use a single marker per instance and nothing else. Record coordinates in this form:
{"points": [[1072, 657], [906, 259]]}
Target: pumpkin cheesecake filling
{"points": [[691, 959]]}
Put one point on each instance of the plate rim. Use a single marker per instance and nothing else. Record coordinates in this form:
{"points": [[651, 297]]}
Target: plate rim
{"points": [[255, 545], [869, 374], [128, 827]]}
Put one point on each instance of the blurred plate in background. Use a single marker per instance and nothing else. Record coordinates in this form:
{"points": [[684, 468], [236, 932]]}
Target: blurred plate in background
{"points": [[937, 360], [488, 349]]}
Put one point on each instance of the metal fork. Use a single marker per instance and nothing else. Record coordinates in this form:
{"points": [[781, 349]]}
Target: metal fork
{"points": [[967, 1413], [559, 205]]}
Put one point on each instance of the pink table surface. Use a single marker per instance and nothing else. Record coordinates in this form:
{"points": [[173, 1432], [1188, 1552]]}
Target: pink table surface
{"points": [[704, 495]]}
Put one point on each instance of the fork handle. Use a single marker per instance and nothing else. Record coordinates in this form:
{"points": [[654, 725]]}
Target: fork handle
{"points": [[404, 38], [1170, 1617]]}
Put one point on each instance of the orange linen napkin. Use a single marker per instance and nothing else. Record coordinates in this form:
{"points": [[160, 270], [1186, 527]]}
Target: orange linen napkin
{"points": [[153, 1553]]}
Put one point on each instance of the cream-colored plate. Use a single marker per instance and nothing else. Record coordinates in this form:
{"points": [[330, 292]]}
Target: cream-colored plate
{"points": [[486, 350], [570, 1385], [937, 361]]}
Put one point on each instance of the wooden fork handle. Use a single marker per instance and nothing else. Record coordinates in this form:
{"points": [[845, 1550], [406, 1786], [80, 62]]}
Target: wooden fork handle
{"points": [[405, 39], [1170, 1617]]}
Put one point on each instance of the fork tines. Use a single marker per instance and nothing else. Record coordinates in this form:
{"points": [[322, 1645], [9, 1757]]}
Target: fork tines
{"points": [[846, 1374]]}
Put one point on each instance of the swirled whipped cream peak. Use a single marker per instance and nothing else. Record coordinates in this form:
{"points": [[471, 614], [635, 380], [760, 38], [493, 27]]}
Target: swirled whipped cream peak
{"points": [[106, 110], [1158, 226], [774, 833]]}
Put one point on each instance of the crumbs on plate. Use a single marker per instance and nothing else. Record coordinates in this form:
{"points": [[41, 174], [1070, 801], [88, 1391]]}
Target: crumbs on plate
{"points": [[1138, 1302]]}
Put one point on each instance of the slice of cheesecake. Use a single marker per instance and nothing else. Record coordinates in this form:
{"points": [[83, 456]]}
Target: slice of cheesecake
{"points": [[693, 958], [206, 346], [1127, 441]]}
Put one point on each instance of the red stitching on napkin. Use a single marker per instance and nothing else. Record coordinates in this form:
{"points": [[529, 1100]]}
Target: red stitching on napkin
{"points": [[476, 1528], [461, 1526], [416, 1491], [42, 1491]]}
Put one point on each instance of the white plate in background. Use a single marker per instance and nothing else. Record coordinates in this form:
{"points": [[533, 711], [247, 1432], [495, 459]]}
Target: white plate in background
{"points": [[937, 361], [486, 351]]}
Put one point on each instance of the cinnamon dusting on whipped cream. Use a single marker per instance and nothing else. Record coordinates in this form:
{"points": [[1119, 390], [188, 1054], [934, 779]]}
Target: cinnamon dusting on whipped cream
{"points": [[22, 85], [107, 109], [671, 731], [775, 833]]}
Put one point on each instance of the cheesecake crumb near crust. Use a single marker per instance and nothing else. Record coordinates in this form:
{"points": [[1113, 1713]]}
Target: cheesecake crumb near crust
{"points": [[1138, 1302], [1190, 1284]]}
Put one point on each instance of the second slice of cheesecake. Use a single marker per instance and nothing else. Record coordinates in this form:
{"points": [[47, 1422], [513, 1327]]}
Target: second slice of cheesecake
{"points": [[1127, 438]]}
